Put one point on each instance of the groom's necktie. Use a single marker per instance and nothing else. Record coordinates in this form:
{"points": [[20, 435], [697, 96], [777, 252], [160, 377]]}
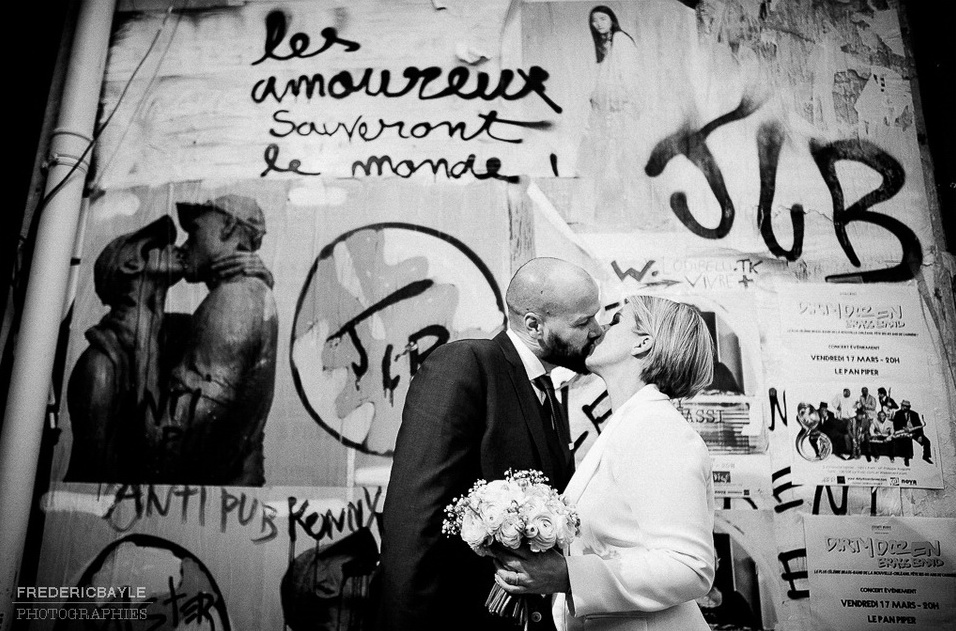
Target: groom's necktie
{"points": [[559, 425]]}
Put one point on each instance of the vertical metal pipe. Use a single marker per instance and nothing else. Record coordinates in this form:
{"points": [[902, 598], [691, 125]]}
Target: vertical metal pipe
{"points": [[46, 288]]}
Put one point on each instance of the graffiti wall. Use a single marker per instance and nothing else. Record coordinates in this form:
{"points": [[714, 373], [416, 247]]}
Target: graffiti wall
{"points": [[294, 203]]}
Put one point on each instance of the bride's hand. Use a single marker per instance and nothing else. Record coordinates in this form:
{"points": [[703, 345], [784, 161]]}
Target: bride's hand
{"points": [[525, 572]]}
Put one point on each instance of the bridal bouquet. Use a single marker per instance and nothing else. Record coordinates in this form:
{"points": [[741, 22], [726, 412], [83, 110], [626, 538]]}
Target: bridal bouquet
{"points": [[520, 510]]}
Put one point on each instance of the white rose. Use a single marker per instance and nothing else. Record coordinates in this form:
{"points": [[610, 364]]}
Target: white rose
{"points": [[531, 506], [497, 486], [501, 491], [510, 533], [542, 532], [493, 514], [542, 491], [557, 506], [473, 532]]}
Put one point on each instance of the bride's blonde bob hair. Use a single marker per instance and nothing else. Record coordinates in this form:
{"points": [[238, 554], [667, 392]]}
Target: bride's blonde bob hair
{"points": [[680, 361]]}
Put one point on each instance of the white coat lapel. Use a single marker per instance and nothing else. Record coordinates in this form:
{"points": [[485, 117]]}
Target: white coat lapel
{"points": [[592, 458]]}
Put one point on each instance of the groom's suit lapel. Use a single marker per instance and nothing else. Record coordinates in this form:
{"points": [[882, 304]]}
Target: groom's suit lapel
{"points": [[527, 401]]}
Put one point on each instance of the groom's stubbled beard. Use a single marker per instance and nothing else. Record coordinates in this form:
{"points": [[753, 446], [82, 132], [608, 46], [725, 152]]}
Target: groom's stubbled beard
{"points": [[560, 352]]}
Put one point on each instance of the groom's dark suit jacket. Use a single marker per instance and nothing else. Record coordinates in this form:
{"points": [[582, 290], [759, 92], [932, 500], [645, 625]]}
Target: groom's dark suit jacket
{"points": [[470, 414]]}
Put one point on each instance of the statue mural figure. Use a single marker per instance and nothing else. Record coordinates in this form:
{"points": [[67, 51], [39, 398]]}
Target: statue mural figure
{"points": [[222, 388], [113, 375], [155, 401]]}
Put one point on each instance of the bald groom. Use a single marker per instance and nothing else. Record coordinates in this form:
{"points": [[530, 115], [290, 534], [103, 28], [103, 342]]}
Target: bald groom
{"points": [[475, 409]]}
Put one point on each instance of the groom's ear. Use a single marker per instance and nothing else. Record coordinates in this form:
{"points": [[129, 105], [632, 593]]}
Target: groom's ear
{"points": [[533, 324]]}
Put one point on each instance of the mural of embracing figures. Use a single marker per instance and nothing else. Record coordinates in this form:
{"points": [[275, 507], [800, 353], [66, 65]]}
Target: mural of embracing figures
{"points": [[171, 398]]}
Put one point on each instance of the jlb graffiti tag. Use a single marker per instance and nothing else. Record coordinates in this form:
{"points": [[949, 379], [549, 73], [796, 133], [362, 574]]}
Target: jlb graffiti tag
{"points": [[693, 145]]}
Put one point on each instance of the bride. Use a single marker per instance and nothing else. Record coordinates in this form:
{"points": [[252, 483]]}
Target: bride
{"points": [[644, 490]]}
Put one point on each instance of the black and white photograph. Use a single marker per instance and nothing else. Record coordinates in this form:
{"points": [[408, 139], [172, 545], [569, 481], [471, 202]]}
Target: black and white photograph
{"points": [[498, 315]]}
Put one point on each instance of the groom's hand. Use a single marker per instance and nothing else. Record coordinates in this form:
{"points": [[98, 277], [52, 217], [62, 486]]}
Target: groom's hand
{"points": [[525, 572]]}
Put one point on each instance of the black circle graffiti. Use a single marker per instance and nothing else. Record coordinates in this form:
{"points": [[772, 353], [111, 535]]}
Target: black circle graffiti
{"points": [[346, 342], [191, 598]]}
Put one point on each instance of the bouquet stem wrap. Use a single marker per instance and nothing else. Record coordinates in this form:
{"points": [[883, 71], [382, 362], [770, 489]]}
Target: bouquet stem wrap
{"points": [[504, 604]]}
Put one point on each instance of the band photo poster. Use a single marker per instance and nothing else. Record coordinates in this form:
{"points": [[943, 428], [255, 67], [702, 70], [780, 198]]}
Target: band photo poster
{"points": [[860, 387]]}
